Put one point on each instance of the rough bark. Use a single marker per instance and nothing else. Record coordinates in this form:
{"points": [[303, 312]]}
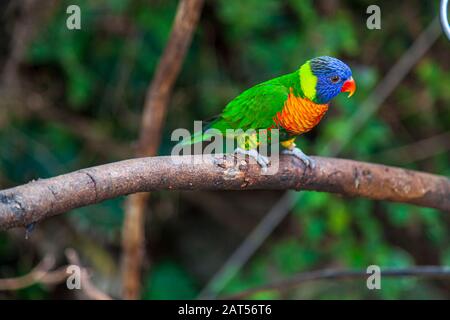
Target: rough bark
{"points": [[32, 202]]}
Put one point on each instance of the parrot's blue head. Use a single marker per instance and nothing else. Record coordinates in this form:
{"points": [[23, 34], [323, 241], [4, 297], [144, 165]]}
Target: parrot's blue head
{"points": [[323, 78]]}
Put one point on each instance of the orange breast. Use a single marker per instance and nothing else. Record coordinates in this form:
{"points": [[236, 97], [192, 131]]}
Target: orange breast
{"points": [[299, 115]]}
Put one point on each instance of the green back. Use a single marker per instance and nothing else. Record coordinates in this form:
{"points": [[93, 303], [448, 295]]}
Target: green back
{"points": [[256, 107]]}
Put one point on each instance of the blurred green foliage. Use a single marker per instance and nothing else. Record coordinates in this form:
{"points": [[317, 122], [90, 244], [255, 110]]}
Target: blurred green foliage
{"points": [[169, 281], [101, 74]]}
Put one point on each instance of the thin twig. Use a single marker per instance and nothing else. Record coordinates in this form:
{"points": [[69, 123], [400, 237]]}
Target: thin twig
{"points": [[337, 274], [418, 150], [88, 288], [40, 274]]}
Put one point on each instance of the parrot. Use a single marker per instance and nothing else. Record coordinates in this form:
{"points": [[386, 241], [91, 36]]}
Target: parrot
{"points": [[293, 103]]}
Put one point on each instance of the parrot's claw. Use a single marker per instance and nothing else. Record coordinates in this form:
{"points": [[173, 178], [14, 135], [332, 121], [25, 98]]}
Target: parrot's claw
{"points": [[296, 152], [260, 159]]}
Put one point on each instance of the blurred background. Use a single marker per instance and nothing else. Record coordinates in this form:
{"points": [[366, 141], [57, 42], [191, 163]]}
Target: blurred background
{"points": [[70, 99]]}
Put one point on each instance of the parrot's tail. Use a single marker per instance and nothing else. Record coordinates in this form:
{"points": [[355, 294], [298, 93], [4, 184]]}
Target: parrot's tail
{"points": [[203, 135], [196, 138]]}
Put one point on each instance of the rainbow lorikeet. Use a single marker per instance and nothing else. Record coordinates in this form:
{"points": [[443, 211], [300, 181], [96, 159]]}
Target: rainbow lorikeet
{"points": [[294, 103]]}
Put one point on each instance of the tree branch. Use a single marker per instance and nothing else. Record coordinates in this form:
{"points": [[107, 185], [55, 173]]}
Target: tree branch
{"points": [[154, 113], [32, 202]]}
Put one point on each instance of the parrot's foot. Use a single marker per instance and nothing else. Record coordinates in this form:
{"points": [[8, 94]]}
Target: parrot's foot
{"points": [[260, 159], [296, 152]]}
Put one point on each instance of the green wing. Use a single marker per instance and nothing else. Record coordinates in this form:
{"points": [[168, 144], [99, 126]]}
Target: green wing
{"points": [[254, 108]]}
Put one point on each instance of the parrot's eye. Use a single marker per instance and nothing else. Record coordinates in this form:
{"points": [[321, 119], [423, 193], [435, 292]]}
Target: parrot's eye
{"points": [[335, 79]]}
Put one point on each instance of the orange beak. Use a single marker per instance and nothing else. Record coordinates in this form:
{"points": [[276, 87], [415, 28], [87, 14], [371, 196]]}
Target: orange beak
{"points": [[349, 86]]}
